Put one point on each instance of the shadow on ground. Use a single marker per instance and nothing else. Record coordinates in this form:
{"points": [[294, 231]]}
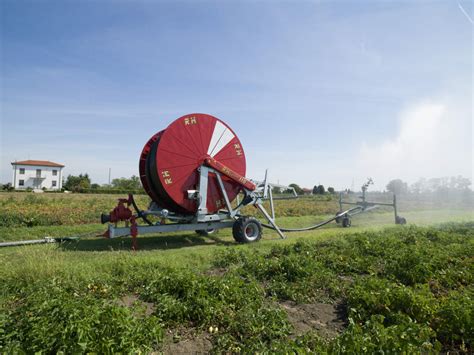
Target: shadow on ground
{"points": [[176, 241]]}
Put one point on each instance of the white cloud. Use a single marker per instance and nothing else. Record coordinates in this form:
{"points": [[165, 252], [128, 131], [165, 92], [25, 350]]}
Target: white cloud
{"points": [[433, 140]]}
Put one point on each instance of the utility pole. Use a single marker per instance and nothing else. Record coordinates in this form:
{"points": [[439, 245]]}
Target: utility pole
{"points": [[110, 171]]}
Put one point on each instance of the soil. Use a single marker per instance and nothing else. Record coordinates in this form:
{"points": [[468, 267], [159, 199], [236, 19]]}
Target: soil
{"points": [[131, 300], [328, 320], [177, 341], [186, 341]]}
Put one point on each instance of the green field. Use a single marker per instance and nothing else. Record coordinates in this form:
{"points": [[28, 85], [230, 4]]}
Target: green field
{"points": [[371, 287]]}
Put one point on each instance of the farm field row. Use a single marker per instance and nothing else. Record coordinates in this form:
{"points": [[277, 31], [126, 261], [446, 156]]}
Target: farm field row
{"points": [[374, 286], [358, 290], [31, 210], [369, 220]]}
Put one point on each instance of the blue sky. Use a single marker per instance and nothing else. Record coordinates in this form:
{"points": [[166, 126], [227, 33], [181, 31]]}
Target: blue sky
{"points": [[318, 92]]}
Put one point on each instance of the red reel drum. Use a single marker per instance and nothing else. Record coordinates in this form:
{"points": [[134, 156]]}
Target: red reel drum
{"points": [[170, 160]]}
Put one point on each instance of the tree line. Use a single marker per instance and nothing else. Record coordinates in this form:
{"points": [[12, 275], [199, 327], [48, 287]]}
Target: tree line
{"points": [[433, 185], [83, 183]]}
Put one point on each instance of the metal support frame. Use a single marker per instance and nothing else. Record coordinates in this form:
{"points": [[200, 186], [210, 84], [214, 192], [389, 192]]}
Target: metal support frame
{"points": [[115, 232], [202, 196], [365, 206], [202, 220]]}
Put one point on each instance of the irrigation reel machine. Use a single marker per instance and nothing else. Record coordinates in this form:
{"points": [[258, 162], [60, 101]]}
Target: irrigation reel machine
{"points": [[194, 172]]}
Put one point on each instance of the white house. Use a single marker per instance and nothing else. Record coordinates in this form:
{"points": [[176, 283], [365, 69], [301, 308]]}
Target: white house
{"points": [[37, 174]]}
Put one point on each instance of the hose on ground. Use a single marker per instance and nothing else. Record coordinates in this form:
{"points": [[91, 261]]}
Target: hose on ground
{"points": [[318, 225]]}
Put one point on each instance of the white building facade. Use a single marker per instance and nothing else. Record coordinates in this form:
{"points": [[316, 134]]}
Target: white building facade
{"points": [[37, 174]]}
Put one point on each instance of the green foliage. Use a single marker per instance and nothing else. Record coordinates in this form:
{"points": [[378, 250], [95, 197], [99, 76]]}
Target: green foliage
{"points": [[7, 187], [397, 187], [396, 303], [77, 183], [297, 188], [76, 308], [331, 190], [57, 317], [395, 300], [373, 336], [130, 184], [319, 190], [454, 319], [29, 210]]}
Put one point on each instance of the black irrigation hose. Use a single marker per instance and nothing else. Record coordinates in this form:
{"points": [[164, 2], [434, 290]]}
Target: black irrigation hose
{"points": [[313, 226], [300, 229], [139, 213]]}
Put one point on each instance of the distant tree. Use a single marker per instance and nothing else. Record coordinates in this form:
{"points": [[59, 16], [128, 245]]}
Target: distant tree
{"points": [[77, 183], [7, 187], [331, 190], [132, 183], [298, 189], [397, 186], [315, 190], [459, 183], [419, 186], [95, 186], [444, 185], [276, 190], [321, 190]]}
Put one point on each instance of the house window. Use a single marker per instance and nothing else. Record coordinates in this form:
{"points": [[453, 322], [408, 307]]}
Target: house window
{"points": [[21, 182], [38, 173], [55, 173], [22, 171], [54, 183]]}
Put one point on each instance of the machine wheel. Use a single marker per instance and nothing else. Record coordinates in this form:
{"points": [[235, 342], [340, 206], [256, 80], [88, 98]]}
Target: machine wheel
{"points": [[338, 219], [401, 220], [247, 230], [206, 233], [346, 222]]}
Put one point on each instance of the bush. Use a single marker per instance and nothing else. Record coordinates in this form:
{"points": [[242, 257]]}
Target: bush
{"points": [[55, 319]]}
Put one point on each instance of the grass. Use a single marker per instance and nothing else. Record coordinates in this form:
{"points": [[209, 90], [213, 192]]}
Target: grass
{"points": [[401, 289], [404, 289]]}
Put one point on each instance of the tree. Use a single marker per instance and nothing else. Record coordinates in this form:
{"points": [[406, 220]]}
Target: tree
{"points": [[78, 183], [315, 190], [298, 189], [397, 186], [276, 190], [419, 187], [122, 183], [460, 183], [331, 190], [321, 190], [7, 187]]}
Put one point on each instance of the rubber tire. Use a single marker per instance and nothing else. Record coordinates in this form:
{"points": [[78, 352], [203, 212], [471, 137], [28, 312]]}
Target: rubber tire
{"points": [[401, 220], [338, 220], [206, 233], [241, 227], [346, 222]]}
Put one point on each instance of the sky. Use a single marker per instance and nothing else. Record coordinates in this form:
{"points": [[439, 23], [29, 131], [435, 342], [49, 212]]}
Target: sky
{"points": [[318, 92]]}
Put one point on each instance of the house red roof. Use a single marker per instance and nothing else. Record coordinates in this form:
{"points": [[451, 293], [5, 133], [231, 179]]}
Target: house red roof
{"points": [[38, 162]]}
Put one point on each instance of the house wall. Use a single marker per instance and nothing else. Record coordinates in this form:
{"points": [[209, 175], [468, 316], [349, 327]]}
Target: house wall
{"points": [[29, 177]]}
